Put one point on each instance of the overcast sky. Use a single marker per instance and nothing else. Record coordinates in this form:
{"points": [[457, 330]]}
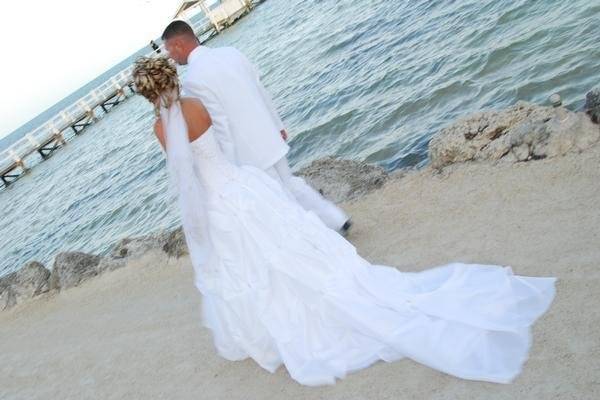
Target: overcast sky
{"points": [[51, 48]]}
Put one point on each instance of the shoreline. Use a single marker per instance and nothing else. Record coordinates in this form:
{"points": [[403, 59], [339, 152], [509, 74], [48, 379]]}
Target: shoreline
{"points": [[532, 135], [136, 331]]}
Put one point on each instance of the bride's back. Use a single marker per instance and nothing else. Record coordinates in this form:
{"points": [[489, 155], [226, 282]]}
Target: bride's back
{"points": [[196, 118]]}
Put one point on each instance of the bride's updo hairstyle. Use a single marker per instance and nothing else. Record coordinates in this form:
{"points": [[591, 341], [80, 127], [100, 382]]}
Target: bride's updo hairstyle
{"points": [[156, 79]]}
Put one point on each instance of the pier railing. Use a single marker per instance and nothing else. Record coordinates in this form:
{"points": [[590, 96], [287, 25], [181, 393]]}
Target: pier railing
{"points": [[45, 138], [70, 115], [50, 135]]}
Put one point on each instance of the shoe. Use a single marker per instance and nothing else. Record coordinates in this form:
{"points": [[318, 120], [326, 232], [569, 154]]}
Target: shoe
{"points": [[345, 228]]}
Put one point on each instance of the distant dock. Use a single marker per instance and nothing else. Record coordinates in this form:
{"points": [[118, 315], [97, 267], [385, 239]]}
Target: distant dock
{"points": [[72, 121]]}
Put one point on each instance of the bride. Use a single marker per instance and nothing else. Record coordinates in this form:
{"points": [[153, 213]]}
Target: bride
{"points": [[282, 288]]}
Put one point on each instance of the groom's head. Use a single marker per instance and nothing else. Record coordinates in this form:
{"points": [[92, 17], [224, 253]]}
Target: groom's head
{"points": [[179, 40]]}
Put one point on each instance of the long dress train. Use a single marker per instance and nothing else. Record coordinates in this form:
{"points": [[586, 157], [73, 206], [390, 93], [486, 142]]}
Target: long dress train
{"points": [[282, 288]]}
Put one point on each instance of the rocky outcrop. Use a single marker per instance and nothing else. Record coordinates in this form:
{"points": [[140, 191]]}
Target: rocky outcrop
{"points": [[30, 281], [343, 180], [72, 268], [520, 133], [592, 105]]}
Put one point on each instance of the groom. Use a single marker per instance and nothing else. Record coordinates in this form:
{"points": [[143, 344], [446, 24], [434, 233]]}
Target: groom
{"points": [[245, 122]]}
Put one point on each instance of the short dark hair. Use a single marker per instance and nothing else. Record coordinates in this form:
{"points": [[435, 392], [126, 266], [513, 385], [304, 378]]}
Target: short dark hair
{"points": [[178, 28]]}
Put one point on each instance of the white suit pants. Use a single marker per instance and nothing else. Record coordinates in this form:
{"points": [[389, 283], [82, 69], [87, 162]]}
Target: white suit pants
{"points": [[309, 198]]}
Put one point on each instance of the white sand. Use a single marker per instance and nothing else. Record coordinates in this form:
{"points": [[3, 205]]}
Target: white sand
{"points": [[135, 333]]}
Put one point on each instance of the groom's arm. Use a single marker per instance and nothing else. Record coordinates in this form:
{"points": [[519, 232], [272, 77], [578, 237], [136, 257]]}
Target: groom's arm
{"points": [[269, 102], [266, 96]]}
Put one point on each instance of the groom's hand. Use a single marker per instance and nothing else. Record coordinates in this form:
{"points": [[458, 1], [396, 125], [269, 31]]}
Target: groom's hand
{"points": [[284, 135]]}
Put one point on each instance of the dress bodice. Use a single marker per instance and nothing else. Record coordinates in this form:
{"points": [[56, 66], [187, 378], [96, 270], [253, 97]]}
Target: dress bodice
{"points": [[210, 162]]}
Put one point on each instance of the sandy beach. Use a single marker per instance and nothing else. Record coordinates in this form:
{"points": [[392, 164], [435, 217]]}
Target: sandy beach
{"points": [[135, 333]]}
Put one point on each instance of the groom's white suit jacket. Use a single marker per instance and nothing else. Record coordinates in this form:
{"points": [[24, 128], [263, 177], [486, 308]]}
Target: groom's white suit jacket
{"points": [[245, 122]]}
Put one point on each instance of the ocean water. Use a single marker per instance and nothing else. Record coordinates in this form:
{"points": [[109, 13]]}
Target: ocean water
{"points": [[369, 80]]}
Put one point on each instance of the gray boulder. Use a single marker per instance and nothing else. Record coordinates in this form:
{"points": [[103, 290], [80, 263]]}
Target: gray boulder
{"points": [[131, 248], [342, 180], [592, 105], [522, 132], [175, 245], [72, 268], [138, 246], [29, 281]]}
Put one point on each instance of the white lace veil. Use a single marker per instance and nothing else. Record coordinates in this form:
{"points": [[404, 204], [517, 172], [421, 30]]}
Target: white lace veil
{"points": [[186, 185]]}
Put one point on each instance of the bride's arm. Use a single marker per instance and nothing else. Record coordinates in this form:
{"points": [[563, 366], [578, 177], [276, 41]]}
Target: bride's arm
{"points": [[159, 132]]}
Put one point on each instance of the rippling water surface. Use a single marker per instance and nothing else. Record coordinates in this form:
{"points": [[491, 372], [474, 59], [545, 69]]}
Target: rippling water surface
{"points": [[366, 80]]}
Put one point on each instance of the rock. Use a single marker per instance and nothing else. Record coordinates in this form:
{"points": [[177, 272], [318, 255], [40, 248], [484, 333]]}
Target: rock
{"points": [[72, 268], [342, 180], [110, 264], [572, 132], [175, 245], [521, 152], [5, 294], [8, 297], [555, 100], [510, 157], [136, 247], [496, 149], [522, 132], [592, 105], [29, 281], [131, 248], [586, 134], [529, 138], [528, 132]]}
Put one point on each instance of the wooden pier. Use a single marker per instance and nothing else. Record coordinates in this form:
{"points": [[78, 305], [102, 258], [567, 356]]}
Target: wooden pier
{"points": [[73, 120], [54, 133], [221, 14]]}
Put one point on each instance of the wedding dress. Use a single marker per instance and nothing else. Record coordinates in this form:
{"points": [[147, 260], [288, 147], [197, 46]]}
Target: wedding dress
{"points": [[282, 288]]}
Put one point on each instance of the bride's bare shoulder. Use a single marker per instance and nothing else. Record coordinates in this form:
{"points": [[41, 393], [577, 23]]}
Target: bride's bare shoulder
{"points": [[196, 117], [194, 107]]}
